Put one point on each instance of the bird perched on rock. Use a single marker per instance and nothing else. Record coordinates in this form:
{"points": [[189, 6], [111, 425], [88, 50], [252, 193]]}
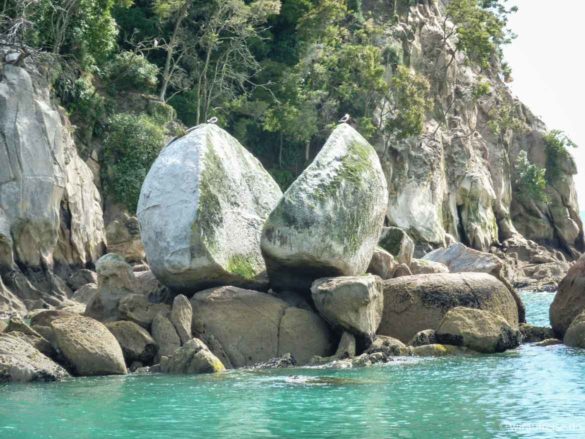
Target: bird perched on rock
{"points": [[345, 118], [213, 120]]}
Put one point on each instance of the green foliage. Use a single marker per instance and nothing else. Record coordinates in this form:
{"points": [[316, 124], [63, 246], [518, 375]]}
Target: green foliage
{"points": [[480, 89], [557, 152], [503, 117], [411, 102], [131, 144], [530, 182], [481, 28], [132, 71]]}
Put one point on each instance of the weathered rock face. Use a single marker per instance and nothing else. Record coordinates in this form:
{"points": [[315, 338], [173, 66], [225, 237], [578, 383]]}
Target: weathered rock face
{"points": [[182, 317], [461, 259], [569, 301], [329, 220], [575, 335], [165, 335], [10, 304], [458, 176], [135, 341], [398, 243], [88, 346], [123, 235], [202, 191], [423, 266], [354, 303], [416, 303], [50, 209], [244, 327], [479, 330], [138, 309], [21, 362], [382, 264], [115, 281], [193, 357]]}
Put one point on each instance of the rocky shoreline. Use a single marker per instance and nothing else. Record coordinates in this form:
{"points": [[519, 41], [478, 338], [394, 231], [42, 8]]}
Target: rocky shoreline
{"points": [[242, 275]]}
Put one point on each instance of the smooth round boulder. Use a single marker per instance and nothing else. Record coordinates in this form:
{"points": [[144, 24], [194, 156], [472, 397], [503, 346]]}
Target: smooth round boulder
{"points": [[353, 303], [136, 343], [575, 335], [204, 190], [569, 301], [329, 220], [416, 303], [245, 327], [479, 330], [88, 346]]}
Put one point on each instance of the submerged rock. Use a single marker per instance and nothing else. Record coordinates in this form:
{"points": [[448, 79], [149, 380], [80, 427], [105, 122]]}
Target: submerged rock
{"points": [[193, 357], [569, 301], [21, 362], [245, 327], [286, 361], [353, 303], [203, 190], [416, 303], [88, 346], [533, 334], [329, 220], [479, 330], [437, 350]]}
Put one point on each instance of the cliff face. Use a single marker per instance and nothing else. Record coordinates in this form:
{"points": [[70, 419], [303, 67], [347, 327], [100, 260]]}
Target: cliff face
{"points": [[50, 209], [457, 178]]}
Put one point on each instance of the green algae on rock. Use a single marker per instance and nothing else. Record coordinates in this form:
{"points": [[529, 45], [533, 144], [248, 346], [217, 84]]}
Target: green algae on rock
{"points": [[329, 220]]}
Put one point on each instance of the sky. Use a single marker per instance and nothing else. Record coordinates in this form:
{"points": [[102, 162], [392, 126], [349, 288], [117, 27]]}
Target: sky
{"points": [[548, 67]]}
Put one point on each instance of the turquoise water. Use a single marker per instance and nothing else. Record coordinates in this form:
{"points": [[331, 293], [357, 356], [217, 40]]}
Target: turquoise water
{"points": [[530, 392]]}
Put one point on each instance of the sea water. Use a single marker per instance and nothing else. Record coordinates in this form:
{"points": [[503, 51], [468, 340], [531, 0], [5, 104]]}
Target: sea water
{"points": [[536, 392]]}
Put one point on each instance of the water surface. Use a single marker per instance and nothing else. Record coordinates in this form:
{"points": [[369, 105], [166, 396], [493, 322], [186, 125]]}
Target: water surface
{"points": [[530, 392]]}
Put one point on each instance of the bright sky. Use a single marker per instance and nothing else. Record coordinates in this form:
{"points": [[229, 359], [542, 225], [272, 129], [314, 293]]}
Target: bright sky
{"points": [[548, 67]]}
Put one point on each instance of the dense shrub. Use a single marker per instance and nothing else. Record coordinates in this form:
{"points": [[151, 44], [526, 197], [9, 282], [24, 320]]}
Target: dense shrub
{"points": [[557, 151], [131, 144], [530, 179], [132, 71]]}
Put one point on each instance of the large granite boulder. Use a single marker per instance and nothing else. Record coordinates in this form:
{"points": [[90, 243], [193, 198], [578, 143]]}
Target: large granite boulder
{"points": [[569, 301], [416, 303], [88, 346], [329, 220], [192, 358], [19, 361], [575, 335], [354, 303], [115, 281], [479, 330], [50, 208], [135, 341], [244, 327], [203, 190]]}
